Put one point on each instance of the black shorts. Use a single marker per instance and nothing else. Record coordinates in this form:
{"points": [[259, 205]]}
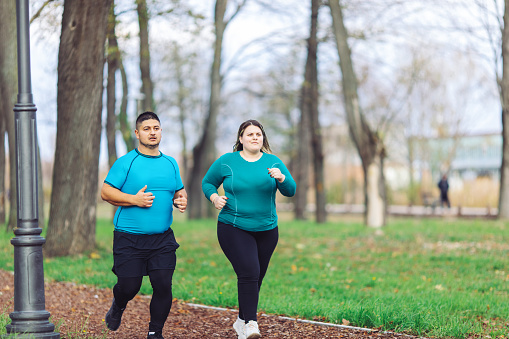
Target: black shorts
{"points": [[134, 255]]}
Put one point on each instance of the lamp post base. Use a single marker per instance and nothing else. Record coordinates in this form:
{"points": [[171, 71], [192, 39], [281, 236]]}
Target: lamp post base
{"points": [[30, 324], [31, 336]]}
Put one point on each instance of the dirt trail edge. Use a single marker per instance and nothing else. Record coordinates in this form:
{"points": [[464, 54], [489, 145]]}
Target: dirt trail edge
{"points": [[78, 312]]}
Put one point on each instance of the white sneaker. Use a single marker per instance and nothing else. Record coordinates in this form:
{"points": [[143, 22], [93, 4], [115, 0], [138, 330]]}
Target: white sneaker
{"points": [[252, 331], [240, 327]]}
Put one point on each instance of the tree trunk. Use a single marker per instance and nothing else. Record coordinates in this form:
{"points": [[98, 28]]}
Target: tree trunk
{"points": [[204, 152], [412, 190], [146, 80], [125, 127], [111, 118], [2, 165], [503, 204], [308, 100], [181, 96], [8, 90], [72, 217], [374, 190], [303, 159], [316, 133], [369, 146]]}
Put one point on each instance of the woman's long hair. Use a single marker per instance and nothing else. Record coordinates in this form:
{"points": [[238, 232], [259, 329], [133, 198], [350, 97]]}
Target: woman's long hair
{"points": [[239, 147]]}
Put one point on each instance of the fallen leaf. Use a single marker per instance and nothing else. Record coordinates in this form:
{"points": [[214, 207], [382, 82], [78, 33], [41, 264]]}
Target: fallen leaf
{"points": [[94, 255]]}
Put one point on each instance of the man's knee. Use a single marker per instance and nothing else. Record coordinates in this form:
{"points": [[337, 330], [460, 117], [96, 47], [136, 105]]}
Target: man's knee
{"points": [[161, 281], [128, 286]]}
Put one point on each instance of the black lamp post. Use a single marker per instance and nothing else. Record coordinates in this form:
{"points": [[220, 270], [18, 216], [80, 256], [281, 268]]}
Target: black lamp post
{"points": [[29, 319]]}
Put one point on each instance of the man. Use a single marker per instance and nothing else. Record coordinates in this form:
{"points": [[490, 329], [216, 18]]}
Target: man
{"points": [[145, 184], [443, 186]]}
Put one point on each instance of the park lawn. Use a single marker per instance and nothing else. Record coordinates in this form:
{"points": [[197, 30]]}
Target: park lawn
{"points": [[431, 277]]}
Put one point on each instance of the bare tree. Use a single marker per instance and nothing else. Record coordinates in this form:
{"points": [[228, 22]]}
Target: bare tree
{"points": [[312, 110], [304, 146], [75, 175], [485, 25], [123, 121], [125, 127], [182, 93], [116, 120], [278, 91], [503, 205], [147, 87], [310, 142], [204, 152], [369, 146], [8, 90], [113, 56], [2, 168]]}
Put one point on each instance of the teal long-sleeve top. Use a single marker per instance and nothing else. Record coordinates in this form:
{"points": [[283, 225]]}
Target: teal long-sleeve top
{"points": [[251, 192]]}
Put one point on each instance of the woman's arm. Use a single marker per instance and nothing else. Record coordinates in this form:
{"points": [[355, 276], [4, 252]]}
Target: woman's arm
{"points": [[285, 182]]}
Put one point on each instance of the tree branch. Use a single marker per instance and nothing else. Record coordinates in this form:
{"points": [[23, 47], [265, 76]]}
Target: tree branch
{"points": [[239, 7], [38, 13]]}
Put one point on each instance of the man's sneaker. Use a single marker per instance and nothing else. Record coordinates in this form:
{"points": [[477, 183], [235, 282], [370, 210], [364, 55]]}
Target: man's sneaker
{"points": [[252, 331], [114, 316], [155, 335], [240, 327]]}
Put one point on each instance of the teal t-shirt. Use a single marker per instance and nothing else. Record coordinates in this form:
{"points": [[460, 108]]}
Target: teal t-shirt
{"points": [[251, 192], [132, 172]]}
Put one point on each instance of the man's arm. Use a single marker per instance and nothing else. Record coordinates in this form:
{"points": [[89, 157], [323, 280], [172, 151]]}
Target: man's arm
{"points": [[180, 200], [118, 198]]}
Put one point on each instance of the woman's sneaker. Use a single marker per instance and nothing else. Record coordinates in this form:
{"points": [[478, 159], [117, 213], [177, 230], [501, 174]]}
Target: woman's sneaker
{"points": [[240, 327], [252, 331]]}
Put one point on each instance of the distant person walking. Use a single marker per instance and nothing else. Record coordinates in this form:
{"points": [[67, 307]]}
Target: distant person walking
{"points": [[145, 184], [247, 226], [443, 185]]}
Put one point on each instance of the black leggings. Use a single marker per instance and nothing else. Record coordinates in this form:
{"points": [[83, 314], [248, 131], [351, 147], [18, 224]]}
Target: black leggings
{"points": [[160, 305], [249, 253]]}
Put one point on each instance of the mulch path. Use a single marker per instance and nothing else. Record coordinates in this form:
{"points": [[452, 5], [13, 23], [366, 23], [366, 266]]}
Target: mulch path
{"points": [[79, 310]]}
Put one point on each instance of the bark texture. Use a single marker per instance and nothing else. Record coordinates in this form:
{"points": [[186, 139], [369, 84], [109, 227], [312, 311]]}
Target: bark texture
{"points": [[146, 80], [3, 163], [309, 111], [8, 91], [125, 128], [182, 95], [302, 170], [75, 175], [113, 58], [369, 145], [503, 205], [316, 132]]}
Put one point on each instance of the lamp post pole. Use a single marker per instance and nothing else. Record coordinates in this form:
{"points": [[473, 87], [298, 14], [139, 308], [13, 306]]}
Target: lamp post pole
{"points": [[29, 319]]}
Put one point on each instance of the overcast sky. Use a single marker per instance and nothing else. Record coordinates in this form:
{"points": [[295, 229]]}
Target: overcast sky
{"points": [[249, 25]]}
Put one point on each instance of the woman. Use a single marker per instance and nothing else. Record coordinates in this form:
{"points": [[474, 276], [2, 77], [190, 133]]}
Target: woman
{"points": [[247, 224]]}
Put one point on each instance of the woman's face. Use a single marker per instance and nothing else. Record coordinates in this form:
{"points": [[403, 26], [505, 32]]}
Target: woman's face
{"points": [[252, 139]]}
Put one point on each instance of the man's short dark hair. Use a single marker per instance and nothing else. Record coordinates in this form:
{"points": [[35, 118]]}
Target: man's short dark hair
{"points": [[146, 116]]}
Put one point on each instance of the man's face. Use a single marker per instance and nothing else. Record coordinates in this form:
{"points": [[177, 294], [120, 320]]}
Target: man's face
{"points": [[149, 133]]}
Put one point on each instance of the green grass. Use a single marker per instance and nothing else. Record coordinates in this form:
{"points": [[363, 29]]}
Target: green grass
{"points": [[431, 277]]}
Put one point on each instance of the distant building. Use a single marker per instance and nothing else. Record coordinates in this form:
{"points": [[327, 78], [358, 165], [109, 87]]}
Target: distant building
{"points": [[470, 156], [471, 161], [479, 156]]}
